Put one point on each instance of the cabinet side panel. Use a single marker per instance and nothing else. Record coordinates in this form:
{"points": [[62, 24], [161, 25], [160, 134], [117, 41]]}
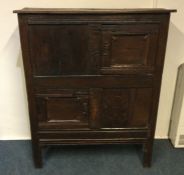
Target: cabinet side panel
{"points": [[23, 28]]}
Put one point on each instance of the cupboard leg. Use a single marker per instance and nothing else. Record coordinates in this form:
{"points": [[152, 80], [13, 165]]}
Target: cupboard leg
{"points": [[147, 154], [37, 156]]}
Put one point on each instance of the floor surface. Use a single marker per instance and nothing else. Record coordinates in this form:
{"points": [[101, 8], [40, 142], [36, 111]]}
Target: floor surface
{"points": [[16, 159]]}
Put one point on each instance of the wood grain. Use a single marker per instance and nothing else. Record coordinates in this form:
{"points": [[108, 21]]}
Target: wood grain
{"points": [[93, 76]]}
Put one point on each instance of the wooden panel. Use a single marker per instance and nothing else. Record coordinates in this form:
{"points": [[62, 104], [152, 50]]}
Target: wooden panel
{"points": [[94, 135], [57, 111], [55, 49], [94, 81], [140, 110], [129, 47], [122, 108], [115, 108]]}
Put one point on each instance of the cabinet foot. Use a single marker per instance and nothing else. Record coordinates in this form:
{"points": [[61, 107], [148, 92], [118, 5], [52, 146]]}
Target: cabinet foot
{"points": [[37, 156], [147, 154]]}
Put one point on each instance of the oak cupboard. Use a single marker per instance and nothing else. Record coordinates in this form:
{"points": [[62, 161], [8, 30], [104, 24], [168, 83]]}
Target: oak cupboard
{"points": [[93, 76]]}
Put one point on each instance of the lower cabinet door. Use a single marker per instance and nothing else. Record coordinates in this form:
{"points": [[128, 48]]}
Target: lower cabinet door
{"points": [[97, 108], [120, 108], [63, 110]]}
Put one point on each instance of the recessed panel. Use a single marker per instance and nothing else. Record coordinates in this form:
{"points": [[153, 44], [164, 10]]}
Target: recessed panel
{"points": [[125, 108], [63, 111], [59, 49], [129, 49], [115, 105]]}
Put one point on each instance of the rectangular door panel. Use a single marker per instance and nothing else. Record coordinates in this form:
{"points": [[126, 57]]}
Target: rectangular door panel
{"points": [[63, 49], [121, 108], [129, 48], [61, 110]]}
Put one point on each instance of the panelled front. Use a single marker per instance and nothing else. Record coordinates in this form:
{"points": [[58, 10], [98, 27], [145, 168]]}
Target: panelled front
{"points": [[80, 47], [95, 108], [82, 72], [93, 76]]}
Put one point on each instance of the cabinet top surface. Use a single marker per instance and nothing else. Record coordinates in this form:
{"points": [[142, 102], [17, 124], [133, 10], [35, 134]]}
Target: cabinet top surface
{"points": [[91, 11]]}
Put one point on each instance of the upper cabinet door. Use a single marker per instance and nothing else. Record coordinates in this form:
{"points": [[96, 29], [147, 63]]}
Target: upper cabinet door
{"points": [[89, 48], [129, 48], [62, 49]]}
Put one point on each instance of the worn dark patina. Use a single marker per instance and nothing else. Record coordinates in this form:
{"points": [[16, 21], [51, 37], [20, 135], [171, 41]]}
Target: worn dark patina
{"points": [[93, 76]]}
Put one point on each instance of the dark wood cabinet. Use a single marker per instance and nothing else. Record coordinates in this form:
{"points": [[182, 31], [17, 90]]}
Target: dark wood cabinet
{"points": [[93, 76]]}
